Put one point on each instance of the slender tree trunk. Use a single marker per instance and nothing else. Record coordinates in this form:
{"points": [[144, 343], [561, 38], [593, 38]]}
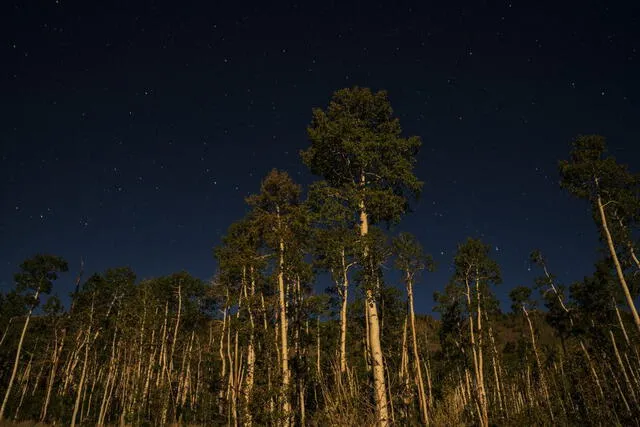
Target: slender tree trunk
{"points": [[249, 379], [633, 256], [622, 368], [615, 379], [592, 369], [110, 377], [379, 386], [57, 352], [476, 350], [616, 262], [622, 327], [147, 381], [16, 362], [223, 359], [482, 390], [24, 383], [367, 345], [76, 407], [6, 330], [284, 344], [343, 316], [545, 390], [416, 356], [427, 368], [404, 369], [496, 376], [318, 366], [36, 382], [594, 374]]}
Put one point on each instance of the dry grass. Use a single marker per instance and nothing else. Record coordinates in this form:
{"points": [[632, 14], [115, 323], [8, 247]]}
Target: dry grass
{"points": [[344, 404]]}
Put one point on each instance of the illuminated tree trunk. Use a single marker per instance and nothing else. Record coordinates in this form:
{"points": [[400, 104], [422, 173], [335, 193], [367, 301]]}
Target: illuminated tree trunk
{"points": [[318, 366], [404, 365], [251, 357], [476, 350], [481, 389], [76, 407], [57, 352], [543, 380], [343, 317], [16, 362], [379, 386], [416, 356], [109, 380], [223, 360], [616, 262], [6, 330], [286, 375], [622, 368], [496, 367]]}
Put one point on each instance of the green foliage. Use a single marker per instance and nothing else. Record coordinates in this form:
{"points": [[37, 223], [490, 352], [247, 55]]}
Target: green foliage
{"points": [[356, 145], [520, 297], [591, 172], [38, 273], [410, 257], [477, 271], [277, 212], [175, 349]]}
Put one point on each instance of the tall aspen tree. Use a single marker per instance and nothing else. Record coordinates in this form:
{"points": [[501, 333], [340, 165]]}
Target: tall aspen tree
{"points": [[357, 147]]}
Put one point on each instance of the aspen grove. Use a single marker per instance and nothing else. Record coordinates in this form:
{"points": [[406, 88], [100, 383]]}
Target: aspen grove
{"points": [[260, 344]]}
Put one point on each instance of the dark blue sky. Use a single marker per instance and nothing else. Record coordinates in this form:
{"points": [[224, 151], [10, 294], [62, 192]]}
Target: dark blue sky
{"points": [[130, 132]]}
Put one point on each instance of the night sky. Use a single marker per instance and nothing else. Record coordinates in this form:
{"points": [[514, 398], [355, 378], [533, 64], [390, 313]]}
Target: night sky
{"points": [[130, 132]]}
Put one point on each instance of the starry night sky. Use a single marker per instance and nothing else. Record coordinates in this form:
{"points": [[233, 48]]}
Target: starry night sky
{"points": [[130, 132]]}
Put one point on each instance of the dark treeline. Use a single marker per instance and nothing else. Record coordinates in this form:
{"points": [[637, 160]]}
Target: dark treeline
{"points": [[256, 346]]}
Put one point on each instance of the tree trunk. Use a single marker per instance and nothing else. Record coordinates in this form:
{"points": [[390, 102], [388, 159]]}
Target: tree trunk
{"points": [[24, 382], [223, 359], [6, 330], [416, 357], [622, 368], [343, 317], [110, 378], [57, 352], [616, 262], [318, 366], [380, 390], [367, 345], [545, 390], [592, 369], [284, 347], [482, 392], [496, 376], [76, 406], [251, 357], [476, 349], [16, 362], [379, 386]]}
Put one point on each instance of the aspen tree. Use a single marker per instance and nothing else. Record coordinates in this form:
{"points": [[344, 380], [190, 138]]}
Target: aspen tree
{"points": [[356, 146], [520, 297], [474, 272], [276, 212], [36, 276], [334, 243], [592, 174], [411, 260]]}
